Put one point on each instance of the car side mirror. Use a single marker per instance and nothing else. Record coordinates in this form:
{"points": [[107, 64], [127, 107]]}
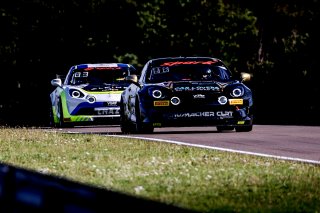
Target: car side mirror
{"points": [[245, 76], [56, 82]]}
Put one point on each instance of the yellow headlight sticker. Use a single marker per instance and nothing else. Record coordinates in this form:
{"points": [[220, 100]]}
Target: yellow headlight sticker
{"points": [[236, 101], [240, 122], [161, 103]]}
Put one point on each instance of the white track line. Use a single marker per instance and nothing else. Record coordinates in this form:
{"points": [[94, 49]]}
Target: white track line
{"points": [[215, 148], [220, 149]]}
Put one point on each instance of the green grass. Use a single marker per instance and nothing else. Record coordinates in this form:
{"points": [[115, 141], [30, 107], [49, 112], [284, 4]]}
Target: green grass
{"points": [[188, 177]]}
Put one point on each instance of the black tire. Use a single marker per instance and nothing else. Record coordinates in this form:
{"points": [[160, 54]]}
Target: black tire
{"points": [[62, 124], [51, 119], [60, 111], [224, 128], [243, 128], [144, 128], [147, 129], [50, 114], [125, 126]]}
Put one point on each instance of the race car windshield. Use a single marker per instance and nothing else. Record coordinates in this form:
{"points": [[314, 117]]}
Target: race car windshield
{"points": [[98, 76], [188, 73]]}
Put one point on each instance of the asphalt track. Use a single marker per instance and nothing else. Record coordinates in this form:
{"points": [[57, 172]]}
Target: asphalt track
{"points": [[297, 143]]}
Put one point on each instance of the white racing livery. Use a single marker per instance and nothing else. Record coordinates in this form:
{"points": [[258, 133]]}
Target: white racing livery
{"points": [[89, 94]]}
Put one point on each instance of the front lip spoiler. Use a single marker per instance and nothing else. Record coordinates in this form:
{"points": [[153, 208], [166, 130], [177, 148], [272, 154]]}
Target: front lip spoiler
{"points": [[188, 122], [88, 118], [233, 123]]}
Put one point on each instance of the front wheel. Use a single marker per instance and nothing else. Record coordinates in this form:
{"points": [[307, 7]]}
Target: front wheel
{"points": [[224, 128], [125, 125], [144, 128], [59, 115], [243, 128], [51, 118], [61, 123], [50, 114]]}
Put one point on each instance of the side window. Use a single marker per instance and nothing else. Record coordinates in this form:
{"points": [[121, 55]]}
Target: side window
{"points": [[79, 78], [159, 74], [223, 72], [145, 73]]}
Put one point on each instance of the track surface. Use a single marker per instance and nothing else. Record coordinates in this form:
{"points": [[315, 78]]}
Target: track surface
{"points": [[300, 143]]}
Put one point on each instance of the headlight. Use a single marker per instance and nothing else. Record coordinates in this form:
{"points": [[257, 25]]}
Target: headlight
{"points": [[222, 100], [237, 92], [76, 93], [91, 99], [156, 93], [175, 101]]}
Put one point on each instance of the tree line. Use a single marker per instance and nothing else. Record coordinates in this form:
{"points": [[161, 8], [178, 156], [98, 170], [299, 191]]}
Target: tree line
{"points": [[276, 41]]}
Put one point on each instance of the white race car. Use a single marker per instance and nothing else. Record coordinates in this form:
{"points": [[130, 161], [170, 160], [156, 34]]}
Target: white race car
{"points": [[89, 94]]}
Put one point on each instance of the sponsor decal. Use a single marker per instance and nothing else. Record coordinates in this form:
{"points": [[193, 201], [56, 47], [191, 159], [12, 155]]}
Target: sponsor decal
{"points": [[197, 88], [235, 101], [188, 62], [161, 103], [199, 96], [107, 111], [159, 70], [102, 68], [221, 114], [103, 65], [109, 91], [112, 103], [156, 124], [224, 114]]}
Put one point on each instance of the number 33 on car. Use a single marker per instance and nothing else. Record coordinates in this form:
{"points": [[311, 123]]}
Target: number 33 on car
{"points": [[90, 94]]}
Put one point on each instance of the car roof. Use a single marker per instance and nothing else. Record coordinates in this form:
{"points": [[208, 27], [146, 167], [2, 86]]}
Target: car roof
{"points": [[180, 58], [93, 65], [185, 58]]}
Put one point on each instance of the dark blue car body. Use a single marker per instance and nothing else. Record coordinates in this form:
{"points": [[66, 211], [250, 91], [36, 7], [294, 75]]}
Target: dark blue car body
{"points": [[186, 91]]}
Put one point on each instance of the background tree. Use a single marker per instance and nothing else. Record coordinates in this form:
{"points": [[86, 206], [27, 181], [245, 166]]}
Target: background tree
{"points": [[276, 41]]}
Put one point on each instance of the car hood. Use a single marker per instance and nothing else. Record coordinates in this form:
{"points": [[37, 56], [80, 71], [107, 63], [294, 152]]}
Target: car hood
{"points": [[190, 86]]}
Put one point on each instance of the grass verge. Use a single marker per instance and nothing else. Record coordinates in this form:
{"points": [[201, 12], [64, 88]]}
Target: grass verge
{"points": [[188, 177]]}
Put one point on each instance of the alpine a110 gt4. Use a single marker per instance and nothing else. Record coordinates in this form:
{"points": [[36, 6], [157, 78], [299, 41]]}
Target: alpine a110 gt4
{"points": [[186, 91], [89, 94]]}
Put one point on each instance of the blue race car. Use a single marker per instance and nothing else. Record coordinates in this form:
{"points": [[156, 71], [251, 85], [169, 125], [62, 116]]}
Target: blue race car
{"points": [[90, 94], [186, 91]]}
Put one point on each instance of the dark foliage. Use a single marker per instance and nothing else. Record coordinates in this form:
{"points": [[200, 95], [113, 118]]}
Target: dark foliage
{"points": [[277, 41]]}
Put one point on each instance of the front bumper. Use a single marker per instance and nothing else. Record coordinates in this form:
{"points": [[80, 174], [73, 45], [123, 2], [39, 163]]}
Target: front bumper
{"points": [[198, 115]]}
